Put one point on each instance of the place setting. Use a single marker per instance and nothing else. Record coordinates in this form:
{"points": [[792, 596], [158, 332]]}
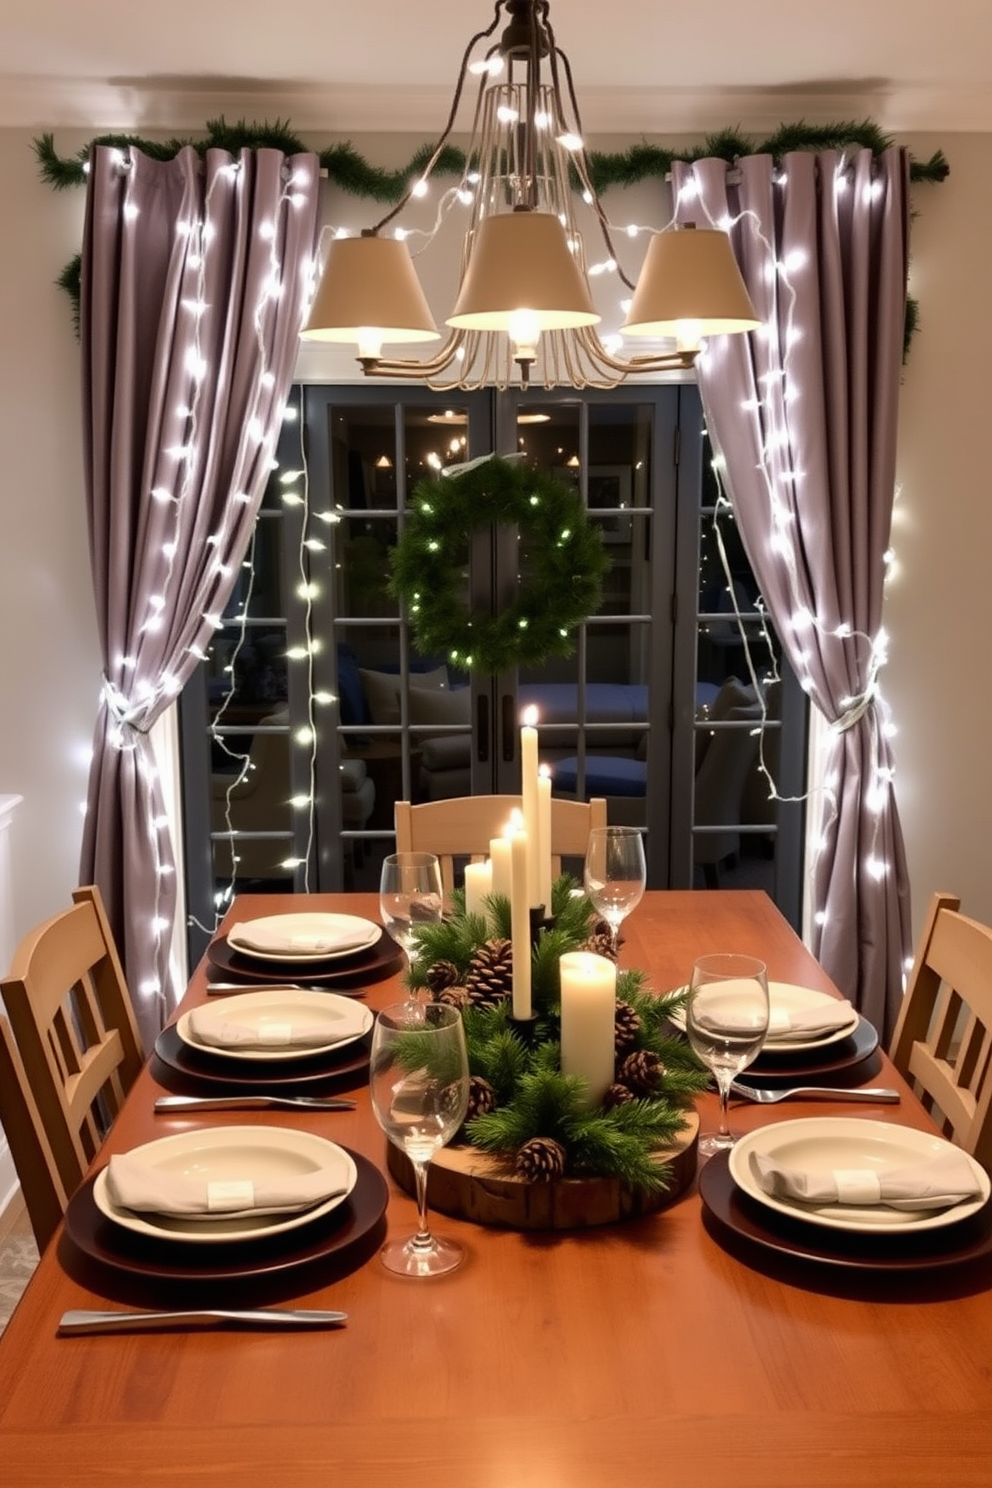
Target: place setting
{"points": [[836, 1193], [218, 1207], [279, 1041], [319, 949], [812, 1038]]}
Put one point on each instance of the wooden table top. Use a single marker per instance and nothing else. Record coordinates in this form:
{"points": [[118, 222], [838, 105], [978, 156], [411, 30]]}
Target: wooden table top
{"points": [[637, 1353]]}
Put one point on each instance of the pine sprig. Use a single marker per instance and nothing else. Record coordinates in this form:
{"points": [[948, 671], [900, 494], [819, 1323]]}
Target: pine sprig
{"points": [[499, 1056], [623, 1143], [543, 1104], [455, 939]]}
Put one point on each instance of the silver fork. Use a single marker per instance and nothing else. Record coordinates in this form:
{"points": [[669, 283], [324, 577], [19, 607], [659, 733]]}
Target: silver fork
{"points": [[814, 1092], [178, 1103]]}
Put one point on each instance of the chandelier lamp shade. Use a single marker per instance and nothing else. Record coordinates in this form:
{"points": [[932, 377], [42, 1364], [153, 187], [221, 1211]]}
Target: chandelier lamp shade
{"points": [[523, 310]]}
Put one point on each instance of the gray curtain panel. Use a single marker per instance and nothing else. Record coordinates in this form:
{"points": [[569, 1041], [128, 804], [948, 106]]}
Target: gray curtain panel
{"points": [[194, 281], [803, 415]]}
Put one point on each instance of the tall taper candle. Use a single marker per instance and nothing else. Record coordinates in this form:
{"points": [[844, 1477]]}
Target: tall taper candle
{"points": [[520, 927], [544, 838], [478, 884], [588, 1017], [528, 800]]}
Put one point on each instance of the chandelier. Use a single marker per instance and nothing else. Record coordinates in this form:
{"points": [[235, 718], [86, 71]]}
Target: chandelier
{"points": [[523, 311]]}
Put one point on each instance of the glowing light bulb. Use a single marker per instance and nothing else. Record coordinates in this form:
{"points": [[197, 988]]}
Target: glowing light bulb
{"points": [[369, 342], [524, 330]]}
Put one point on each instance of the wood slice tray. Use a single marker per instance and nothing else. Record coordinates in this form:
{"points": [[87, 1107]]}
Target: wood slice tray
{"points": [[468, 1184]]}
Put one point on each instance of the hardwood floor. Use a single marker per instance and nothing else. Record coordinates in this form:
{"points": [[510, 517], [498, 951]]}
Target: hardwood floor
{"points": [[18, 1256]]}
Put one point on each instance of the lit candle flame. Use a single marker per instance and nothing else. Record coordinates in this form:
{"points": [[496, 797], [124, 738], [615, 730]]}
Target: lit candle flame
{"points": [[529, 717], [544, 771]]}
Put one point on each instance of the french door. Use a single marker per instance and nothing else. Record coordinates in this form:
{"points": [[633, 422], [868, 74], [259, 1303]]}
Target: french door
{"points": [[315, 712]]}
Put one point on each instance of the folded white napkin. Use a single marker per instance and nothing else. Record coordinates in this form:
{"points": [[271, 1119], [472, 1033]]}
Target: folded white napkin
{"points": [[935, 1184], [324, 937], [823, 1018], [135, 1184], [297, 1032]]}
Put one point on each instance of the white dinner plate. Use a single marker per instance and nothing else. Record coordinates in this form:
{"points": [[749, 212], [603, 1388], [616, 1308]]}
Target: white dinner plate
{"points": [[786, 998], [346, 1020], [823, 1143], [224, 1154], [290, 937]]}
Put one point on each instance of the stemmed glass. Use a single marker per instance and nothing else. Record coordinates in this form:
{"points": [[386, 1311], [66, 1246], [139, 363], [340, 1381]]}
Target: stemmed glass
{"points": [[419, 1080], [726, 1022], [615, 874], [410, 895]]}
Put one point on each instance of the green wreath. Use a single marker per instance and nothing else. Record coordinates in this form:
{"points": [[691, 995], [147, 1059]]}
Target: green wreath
{"points": [[562, 585]]}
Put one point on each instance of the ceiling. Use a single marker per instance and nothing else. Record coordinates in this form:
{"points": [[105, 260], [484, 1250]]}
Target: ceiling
{"points": [[641, 66]]}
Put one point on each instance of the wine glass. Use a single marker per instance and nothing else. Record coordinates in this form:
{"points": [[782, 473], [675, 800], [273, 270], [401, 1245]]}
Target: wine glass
{"points": [[410, 895], [615, 874], [419, 1080], [726, 1022]]}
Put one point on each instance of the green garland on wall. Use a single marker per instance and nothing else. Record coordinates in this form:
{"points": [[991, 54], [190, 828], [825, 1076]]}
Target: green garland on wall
{"points": [[350, 171]]}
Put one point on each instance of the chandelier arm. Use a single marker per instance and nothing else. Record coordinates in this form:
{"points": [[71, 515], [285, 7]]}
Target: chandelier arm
{"points": [[449, 125], [582, 167], [414, 367], [668, 361]]}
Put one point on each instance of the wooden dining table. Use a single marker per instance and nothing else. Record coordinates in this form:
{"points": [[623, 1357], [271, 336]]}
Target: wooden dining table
{"points": [[644, 1352]]}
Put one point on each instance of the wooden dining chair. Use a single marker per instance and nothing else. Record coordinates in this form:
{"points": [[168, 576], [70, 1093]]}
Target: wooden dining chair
{"points": [[464, 826], [76, 1039], [41, 1186], [942, 1042]]}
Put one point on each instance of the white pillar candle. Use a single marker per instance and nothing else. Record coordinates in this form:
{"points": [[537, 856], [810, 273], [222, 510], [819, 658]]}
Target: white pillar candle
{"points": [[520, 927], [544, 837], [500, 864], [478, 886], [528, 799], [588, 1015]]}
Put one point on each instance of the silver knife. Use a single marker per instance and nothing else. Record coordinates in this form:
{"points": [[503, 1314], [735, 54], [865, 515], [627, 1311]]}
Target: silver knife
{"points": [[216, 988], [173, 1103], [81, 1321]]}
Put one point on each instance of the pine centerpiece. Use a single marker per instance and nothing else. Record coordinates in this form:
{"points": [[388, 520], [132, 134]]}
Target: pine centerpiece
{"points": [[533, 1121]]}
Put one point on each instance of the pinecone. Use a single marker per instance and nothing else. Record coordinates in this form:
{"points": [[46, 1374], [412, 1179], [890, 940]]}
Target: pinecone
{"points": [[456, 997], [489, 979], [600, 941], [641, 1072], [541, 1160], [626, 1027], [440, 975], [616, 1095], [481, 1097]]}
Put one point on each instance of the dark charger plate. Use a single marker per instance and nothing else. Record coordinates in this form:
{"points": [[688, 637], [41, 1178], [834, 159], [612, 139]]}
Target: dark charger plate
{"points": [[97, 1251], [348, 975], [834, 1064], [328, 1070], [757, 1233]]}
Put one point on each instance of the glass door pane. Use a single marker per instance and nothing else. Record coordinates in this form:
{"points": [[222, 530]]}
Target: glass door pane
{"points": [[398, 725], [739, 813]]}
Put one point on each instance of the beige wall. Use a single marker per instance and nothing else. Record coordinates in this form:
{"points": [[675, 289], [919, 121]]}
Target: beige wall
{"points": [[938, 677], [936, 681]]}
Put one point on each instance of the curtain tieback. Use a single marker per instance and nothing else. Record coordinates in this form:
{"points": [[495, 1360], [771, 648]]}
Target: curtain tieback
{"points": [[124, 714], [856, 709]]}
